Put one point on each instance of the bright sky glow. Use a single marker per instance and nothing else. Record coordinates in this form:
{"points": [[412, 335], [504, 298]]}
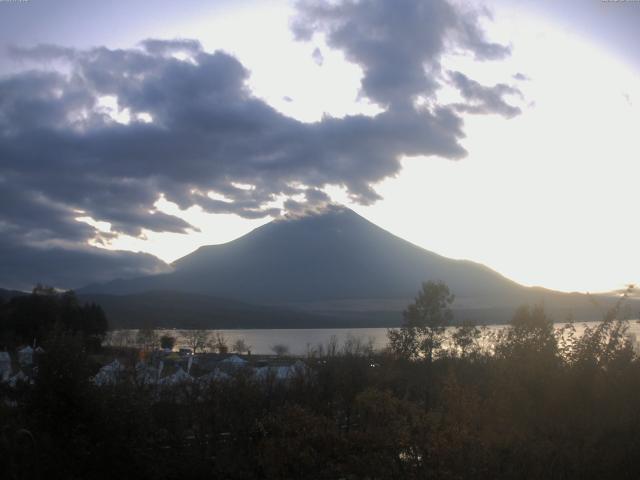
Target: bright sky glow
{"points": [[547, 198]]}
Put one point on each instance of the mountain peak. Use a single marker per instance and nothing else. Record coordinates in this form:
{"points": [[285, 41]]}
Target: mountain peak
{"points": [[328, 261], [327, 210], [326, 255]]}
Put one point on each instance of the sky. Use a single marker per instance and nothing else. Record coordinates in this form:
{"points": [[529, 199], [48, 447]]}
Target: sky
{"points": [[133, 132]]}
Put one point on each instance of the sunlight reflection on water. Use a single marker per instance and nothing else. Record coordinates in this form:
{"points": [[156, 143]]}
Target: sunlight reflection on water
{"points": [[300, 340]]}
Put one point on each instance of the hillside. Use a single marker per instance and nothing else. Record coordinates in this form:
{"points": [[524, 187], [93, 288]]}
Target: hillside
{"points": [[331, 256], [8, 294], [171, 309], [338, 264]]}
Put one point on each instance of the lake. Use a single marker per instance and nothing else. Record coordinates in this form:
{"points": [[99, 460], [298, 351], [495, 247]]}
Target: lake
{"points": [[300, 340]]}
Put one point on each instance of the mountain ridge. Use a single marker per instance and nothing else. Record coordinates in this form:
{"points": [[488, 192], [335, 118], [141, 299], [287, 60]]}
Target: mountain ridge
{"points": [[337, 264], [332, 255]]}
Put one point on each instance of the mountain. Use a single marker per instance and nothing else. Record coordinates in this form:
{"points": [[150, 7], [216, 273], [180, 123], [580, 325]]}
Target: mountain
{"points": [[338, 264], [9, 294], [335, 255]]}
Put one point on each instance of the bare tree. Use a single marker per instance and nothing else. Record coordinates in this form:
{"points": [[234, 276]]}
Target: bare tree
{"points": [[357, 346], [197, 340], [219, 343], [148, 338], [240, 346]]}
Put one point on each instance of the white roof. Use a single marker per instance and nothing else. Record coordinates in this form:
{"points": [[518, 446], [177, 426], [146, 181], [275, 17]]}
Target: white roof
{"points": [[278, 373], [26, 349], [178, 377], [282, 372], [108, 375], [234, 359]]}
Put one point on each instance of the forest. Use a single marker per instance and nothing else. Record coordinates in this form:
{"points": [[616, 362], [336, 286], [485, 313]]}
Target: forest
{"points": [[531, 401]]}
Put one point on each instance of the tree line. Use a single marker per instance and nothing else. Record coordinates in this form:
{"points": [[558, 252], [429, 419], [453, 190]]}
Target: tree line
{"points": [[46, 313]]}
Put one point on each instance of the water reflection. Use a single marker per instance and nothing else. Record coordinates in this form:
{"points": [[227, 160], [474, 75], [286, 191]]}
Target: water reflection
{"points": [[301, 341]]}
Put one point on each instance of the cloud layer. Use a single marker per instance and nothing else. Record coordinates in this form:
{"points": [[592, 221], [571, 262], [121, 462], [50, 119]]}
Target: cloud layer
{"points": [[398, 44], [23, 266], [110, 131]]}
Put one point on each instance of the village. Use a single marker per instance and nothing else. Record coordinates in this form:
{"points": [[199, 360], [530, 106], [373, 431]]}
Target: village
{"points": [[158, 366], [167, 368], [20, 368]]}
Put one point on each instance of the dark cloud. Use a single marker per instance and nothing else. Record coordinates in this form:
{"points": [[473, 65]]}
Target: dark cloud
{"points": [[484, 99], [398, 44], [208, 133], [315, 201], [64, 156], [23, 266]]}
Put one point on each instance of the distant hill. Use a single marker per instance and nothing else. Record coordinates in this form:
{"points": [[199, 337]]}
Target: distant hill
{"points": [[166, 309], [8, 294], [337, 264]]}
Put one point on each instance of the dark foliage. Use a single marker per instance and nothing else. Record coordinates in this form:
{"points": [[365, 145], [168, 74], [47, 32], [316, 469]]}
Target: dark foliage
{"points": [[529, 402], [45, 313]]}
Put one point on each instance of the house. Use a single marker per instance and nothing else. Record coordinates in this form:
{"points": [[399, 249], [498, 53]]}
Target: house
{"points": [[109, 374], [180, 376], [281, 372]]}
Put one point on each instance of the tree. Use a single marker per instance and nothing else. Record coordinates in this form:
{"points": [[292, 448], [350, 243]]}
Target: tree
{"points": [[197, 340], [530, 336], [280, 349], [46, 312], [466, 338], [147, 338], [240, 346], [120, 338], [167, 341], [425, 320], [220, 343]]}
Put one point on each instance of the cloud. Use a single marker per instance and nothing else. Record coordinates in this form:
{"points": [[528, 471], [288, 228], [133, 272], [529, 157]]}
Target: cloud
{"points": [[484, 99], [183, 124], [315, 201], [207, 134], [398, 44], [24, 266]]}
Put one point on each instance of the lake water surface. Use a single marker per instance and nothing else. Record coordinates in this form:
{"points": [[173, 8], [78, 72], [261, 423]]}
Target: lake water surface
{"points": [[300, 340]]}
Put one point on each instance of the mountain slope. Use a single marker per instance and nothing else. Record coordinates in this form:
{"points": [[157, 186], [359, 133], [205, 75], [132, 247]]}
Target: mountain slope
{"points": [[9, 294], [331, 256], [338, 265]]}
